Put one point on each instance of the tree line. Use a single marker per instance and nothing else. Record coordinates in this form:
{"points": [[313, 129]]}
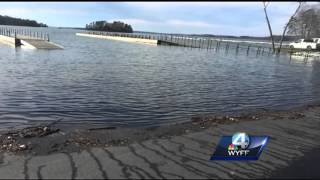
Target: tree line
{"points": [[7, 20], [116, 26], [304, 23]]}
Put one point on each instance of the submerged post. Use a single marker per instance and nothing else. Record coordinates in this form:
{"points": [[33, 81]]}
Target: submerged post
{"points": [[203, 43], [269, 51], [258, 51], [227, 47], [210, 43], [237, 49]]}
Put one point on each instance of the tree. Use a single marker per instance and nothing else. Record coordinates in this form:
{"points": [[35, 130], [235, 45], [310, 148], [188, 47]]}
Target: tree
{"points": [[306, 24], [116, 26], [265, 5], [286, 26], [7, 20]]}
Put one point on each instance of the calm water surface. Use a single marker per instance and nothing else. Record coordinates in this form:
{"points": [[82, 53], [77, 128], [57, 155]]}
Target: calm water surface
{"points": [[123, 84]]}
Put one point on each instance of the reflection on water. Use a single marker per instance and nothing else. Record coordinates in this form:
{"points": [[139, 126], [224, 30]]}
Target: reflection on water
{"points": [[121, 84]]}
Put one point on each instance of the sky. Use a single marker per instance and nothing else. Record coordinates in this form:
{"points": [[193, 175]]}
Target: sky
{"points": [[219, 18]]}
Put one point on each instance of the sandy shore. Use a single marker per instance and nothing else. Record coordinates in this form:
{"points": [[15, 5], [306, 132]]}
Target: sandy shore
{"points": [[175, 151]]}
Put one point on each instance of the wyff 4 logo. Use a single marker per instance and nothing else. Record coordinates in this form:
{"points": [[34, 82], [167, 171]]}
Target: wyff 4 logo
{"points": [[239, 140], [240, 147]]}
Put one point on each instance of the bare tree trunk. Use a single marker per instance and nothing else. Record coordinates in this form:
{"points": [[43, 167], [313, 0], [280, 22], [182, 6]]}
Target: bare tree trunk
{"points": [[269, 26], [285, 28]]}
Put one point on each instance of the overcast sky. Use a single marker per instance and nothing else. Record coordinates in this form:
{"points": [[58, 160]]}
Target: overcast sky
{"points": [[222, 18]]}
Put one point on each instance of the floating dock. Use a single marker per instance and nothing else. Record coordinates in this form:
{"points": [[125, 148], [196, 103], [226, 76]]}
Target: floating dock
{"points": [[39, 44], [26, 38], [208, 43], [122, 38], [28, 43]]}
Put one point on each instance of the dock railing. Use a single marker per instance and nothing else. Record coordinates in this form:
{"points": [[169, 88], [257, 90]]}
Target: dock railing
{"points": [[209, 43], [192, 41], [24, 33]]}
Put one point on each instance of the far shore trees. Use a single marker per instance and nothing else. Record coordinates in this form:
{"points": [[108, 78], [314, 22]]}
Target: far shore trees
{"points": [[116, 26], [7, 20], [306, 24]]}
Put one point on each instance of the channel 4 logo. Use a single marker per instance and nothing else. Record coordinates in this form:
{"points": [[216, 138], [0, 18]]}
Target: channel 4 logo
{"points": [[240, 147]]}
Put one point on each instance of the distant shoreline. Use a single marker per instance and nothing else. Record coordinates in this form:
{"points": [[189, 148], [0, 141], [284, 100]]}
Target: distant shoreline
{"points": [[277, 37], [12, 21]]}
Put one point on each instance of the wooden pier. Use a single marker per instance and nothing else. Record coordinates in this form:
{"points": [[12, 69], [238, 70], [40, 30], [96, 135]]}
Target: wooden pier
{"points": [[26, 39]]}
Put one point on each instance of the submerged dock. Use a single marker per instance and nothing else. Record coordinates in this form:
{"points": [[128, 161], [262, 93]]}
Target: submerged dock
{"points": [[189, 41], [131, 39], [27, 39], [207, 43]]}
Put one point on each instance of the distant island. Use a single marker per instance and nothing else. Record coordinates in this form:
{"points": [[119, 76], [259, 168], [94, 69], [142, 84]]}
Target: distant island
{"points": [[116, 26], [7, 20]]}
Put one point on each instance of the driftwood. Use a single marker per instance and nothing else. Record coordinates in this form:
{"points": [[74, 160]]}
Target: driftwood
{"points": [[37, 131], [102, 128]]}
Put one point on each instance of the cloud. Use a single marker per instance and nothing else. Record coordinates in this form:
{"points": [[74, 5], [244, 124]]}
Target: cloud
{"points": [[44, 11], [183, 23], [134, 21], [15, 12], [173, 22], [202, 27], [238, 18], [157, 5]]}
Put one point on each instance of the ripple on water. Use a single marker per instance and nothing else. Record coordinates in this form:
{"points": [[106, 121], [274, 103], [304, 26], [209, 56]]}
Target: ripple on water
{"points": [[123, 84]]}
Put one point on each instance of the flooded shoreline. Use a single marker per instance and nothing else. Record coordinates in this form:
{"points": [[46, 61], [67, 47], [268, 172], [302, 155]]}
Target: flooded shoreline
{"points": [[118, 84], [54, 137], [291, 134]]}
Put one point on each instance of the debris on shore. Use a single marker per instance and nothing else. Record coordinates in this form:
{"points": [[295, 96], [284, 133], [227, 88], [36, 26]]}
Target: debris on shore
{"points": [[297, 116], [102, 128], [82, 141], [10, 141], [45, 139], [204, 121], [92, 141], [34, 132]]}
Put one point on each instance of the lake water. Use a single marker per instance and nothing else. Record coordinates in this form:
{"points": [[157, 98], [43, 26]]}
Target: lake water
{"points": [[124, 84]]}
